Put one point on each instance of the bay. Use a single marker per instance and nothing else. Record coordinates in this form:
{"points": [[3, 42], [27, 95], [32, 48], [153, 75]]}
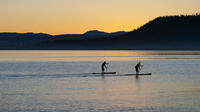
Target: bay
{"points": [[50, 81]]}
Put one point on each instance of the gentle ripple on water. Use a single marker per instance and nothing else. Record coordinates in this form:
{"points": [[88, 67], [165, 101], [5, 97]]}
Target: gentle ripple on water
{"points": [[51, 81]]}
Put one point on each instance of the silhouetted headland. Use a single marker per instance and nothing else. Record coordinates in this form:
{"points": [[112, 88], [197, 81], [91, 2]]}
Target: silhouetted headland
{"points": [[163, 33]]}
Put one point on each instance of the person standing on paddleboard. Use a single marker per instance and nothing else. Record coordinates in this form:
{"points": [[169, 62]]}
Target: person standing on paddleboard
{"points": [[138, 68], [104, 66]]}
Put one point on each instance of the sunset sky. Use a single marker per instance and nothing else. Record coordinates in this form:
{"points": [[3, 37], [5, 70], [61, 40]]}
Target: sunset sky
{"points": [[79, 16]]}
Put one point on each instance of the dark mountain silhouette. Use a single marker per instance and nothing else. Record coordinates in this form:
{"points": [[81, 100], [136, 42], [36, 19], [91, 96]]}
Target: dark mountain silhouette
{"points": [[163, 33], [37, 40], [22, 40], [168, 32], [94, 34], [167, 28]]}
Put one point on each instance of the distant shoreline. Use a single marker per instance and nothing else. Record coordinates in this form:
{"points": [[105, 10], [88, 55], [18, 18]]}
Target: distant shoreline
{"points": [[162, 33]]}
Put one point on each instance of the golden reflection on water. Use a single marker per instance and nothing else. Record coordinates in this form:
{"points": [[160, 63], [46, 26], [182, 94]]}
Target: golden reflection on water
{"points": [[125, 92], [52, 55]]}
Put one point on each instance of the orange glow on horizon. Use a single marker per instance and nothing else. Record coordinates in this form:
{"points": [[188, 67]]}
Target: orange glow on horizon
{"points": [[79, 16]]}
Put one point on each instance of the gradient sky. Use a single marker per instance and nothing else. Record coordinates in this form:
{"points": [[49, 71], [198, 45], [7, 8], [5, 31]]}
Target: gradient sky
{"points": [[79, 16]]}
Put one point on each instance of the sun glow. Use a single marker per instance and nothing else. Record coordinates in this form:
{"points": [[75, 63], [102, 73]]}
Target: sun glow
{"points": [[79, 16]]}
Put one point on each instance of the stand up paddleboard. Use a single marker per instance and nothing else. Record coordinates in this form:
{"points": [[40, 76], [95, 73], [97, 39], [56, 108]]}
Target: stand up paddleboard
{"points": [[114, 74], [136, 74], [105, 73]]}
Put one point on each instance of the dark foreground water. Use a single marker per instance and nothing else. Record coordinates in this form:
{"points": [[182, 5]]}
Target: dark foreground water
{"points": [[49, 81]]}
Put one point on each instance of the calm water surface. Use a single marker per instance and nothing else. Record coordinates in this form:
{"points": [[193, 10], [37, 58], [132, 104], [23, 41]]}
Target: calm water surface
{"points": [[49, 81]]}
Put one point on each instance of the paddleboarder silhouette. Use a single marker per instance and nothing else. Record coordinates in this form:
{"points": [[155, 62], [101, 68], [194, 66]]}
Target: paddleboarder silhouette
{"points": [[138, 68], [104, 66]]}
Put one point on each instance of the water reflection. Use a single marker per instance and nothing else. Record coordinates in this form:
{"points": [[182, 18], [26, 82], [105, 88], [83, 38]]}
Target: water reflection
{"points": [[137, 79], [95, 55], [103, 85]]}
